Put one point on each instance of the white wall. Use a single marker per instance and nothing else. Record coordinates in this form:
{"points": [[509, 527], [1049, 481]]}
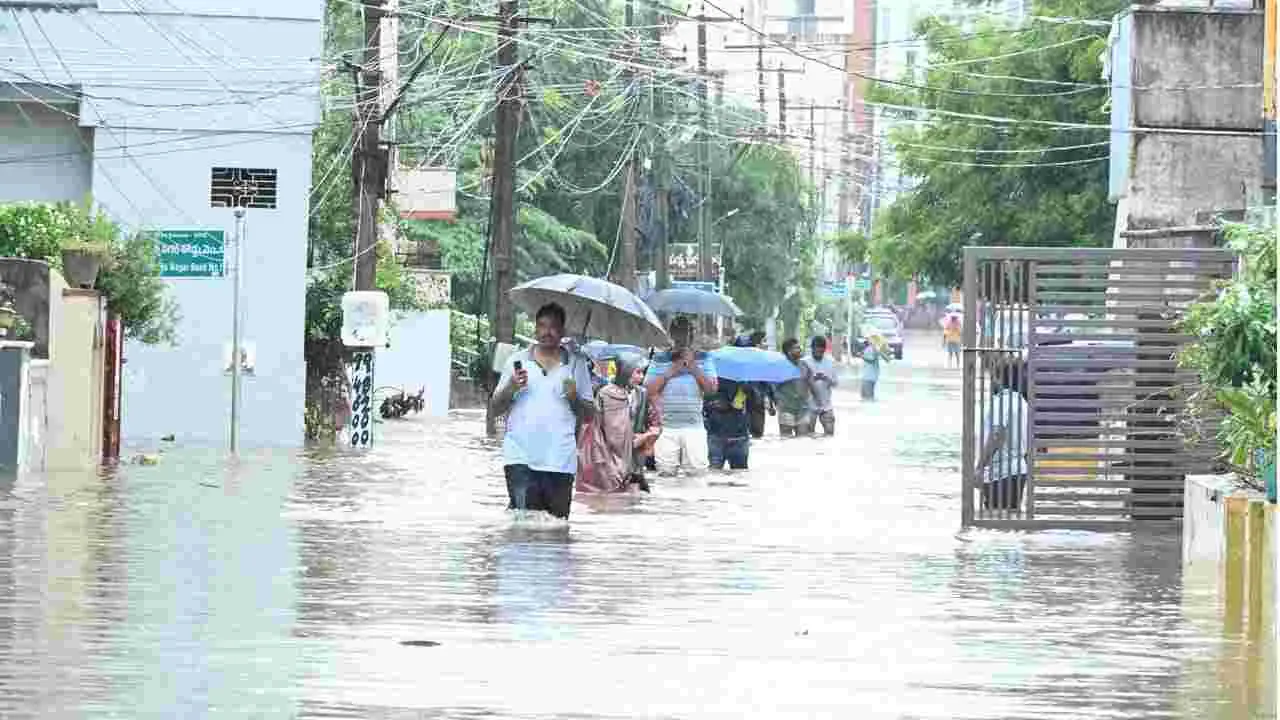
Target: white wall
{"points": [[273, 297], [172, 88], [418, 358]]}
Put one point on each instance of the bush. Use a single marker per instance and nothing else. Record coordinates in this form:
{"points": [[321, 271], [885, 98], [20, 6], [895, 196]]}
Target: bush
{"points": [[1235, 350], [34, 231]]}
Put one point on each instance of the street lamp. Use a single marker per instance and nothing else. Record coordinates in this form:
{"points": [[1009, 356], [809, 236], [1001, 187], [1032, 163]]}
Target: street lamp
{"points": [[726, 216], [720, 278], [719, 220]]}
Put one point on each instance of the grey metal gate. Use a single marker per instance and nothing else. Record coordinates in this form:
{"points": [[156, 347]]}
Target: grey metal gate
{"points": [[1071, 376]]}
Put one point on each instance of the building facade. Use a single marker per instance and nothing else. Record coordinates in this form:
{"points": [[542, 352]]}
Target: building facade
{"points": [[136, 102]]}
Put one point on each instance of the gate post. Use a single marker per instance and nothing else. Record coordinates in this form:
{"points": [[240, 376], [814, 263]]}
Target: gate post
{"points": [[1029, 377], [969, 377]]}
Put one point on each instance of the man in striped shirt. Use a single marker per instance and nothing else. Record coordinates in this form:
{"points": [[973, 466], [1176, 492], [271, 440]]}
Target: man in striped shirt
{"points": [[678, 381]]}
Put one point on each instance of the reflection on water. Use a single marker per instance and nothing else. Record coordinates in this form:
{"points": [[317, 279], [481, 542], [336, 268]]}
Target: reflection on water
{"points": [[828, 581]]}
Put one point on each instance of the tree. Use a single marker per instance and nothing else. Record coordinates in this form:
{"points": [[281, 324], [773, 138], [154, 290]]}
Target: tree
{"points": [[996, 182], [853, 245]]}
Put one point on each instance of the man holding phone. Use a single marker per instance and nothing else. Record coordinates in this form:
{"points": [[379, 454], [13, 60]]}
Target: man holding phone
{"points": [[678, 381], [544, 391]]}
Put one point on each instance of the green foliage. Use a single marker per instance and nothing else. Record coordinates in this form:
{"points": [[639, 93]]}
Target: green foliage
{"points": [[766, 245], [131, 281], [853, 246], [1235, 348], [130, 275], [91, 231], [33, 230], [1250, 424], [1013, 189], [1236, 330]]}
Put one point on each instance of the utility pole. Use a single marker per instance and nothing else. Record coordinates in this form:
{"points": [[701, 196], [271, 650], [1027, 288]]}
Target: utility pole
{"points": [[761, 106], [369, 159], [389, 66], [502, 203], [625, 271], [760, 85], [704, 156], [502, 206], [238, 285], [813, 144], [782, 103], [846, 169], [661, 196]]}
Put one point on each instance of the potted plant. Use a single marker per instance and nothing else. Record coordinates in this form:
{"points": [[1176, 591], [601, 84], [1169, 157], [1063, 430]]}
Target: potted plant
{"points": [[87, 246], [81, 262]]}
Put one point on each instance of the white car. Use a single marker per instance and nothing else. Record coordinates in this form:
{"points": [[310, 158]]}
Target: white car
{"points": [[887, 325]]}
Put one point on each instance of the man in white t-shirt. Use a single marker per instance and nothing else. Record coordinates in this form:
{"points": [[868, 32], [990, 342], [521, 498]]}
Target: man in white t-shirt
{"points": [[544, 391], [823, 380]]}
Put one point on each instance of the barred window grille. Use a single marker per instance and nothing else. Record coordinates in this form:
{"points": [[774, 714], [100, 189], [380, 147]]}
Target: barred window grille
{"points": [[253, 188]]}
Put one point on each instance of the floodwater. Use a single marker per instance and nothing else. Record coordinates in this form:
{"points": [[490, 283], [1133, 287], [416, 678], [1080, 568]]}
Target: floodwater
{"points": [[828, 581]]}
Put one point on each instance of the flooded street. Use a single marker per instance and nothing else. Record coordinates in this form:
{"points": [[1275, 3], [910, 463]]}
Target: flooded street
{"points": [[829, 581]]}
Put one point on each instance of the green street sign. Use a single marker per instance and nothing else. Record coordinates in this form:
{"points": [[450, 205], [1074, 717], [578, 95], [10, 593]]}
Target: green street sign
{"points": [[190, 253], [862, 284]]}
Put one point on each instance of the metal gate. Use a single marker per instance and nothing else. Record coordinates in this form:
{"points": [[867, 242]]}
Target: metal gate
{"points": [[1075, 408]]}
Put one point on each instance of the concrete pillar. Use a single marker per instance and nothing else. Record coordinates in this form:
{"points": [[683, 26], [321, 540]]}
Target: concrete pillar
{"points": [[76, 382]]}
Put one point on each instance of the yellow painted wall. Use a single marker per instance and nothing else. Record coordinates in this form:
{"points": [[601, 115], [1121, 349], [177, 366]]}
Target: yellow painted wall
{"points": [[75, 383], [1231, 593]]}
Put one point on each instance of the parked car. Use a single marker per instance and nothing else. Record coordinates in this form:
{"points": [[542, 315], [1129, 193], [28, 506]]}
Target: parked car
{"points": [[887, 324]]}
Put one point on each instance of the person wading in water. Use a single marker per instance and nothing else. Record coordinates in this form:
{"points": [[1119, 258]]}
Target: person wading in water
{"points": [[544, 391]]}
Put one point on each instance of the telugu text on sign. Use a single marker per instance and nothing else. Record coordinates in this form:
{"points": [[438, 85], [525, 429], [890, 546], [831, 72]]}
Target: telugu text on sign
{"points": [[191, 253]]}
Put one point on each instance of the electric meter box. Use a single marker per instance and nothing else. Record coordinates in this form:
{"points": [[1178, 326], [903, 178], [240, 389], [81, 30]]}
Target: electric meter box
{"points": [[366, 317]]}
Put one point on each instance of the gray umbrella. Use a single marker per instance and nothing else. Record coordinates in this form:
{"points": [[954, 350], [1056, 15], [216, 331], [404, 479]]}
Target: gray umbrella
{"points": [[594, 308], [691, 301]]}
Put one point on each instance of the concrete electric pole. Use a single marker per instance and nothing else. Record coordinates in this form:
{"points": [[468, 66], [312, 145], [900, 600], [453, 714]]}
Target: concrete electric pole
{"points": [[625, 271], [369, 157]]}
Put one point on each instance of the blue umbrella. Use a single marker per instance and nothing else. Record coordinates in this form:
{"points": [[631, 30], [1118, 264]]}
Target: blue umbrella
{"points": [[599, 350], [593, 308], [753, 365], [691, 301]]}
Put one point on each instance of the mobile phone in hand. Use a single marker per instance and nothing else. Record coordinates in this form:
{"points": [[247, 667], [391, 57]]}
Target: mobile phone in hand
{"points": [[519, 366]]}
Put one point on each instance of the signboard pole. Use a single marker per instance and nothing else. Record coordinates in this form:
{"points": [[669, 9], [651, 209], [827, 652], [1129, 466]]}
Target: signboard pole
{"points": [[365, 318], [235, 331], [361, 398]]}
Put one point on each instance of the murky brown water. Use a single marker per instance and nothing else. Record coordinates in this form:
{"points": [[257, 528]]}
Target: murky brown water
{"points": [[830, 581]]}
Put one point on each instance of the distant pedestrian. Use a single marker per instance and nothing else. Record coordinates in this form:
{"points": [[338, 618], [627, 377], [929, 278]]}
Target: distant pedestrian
{"points": [[545, 391], [679, 380], [822, 408], [795, 396], [761, 401], [951, 339], [874, 352]]}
